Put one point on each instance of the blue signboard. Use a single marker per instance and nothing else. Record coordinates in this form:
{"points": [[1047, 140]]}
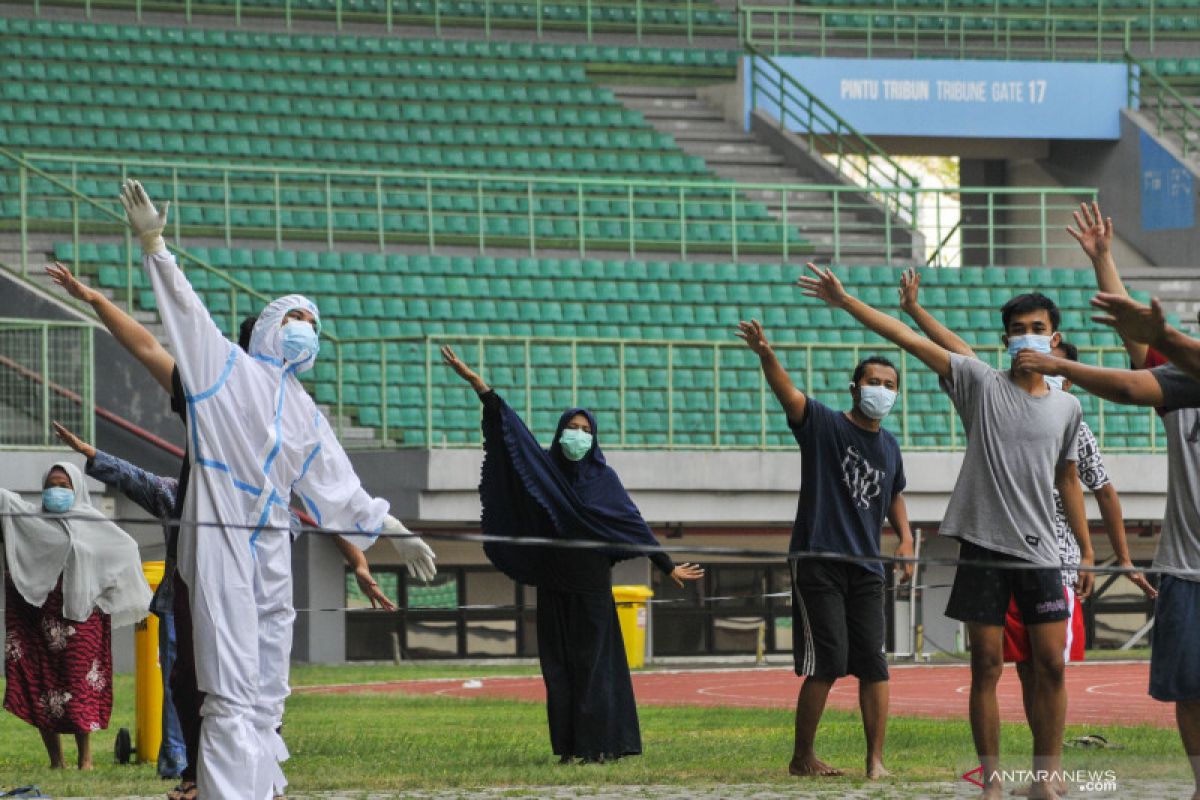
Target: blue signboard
{"points": [[995, 99], [1168, 196]]}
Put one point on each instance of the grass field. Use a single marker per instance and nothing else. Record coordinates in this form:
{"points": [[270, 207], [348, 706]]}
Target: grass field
{"points": [[396, 742]]}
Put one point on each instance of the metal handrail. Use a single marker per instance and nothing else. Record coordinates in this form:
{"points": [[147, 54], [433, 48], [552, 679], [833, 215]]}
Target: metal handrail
{"points": [[589, 16], [892, 31], [1173, 113], [588, 384], [623, 227], [857, 157], [85, 394]]}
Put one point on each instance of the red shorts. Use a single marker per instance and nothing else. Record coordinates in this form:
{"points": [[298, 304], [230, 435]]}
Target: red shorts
{"points": [[1016, 638]]}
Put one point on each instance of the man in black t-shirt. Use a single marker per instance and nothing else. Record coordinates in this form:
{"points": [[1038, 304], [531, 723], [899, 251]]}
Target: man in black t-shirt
{"points": [[851, 478]]}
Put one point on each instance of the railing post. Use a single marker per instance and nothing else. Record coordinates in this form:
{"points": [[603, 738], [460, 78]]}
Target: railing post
{"points": [[631, 220], [579, 218], [278, 215], [328, 211], [383, 391], [683, 233], [89, 382], [717, 394], [479, 216], [621, 385], [75, 215], [379, 213], [837, 226], [783, 215], [175, 202], [1042, 223], [690, 26], [340, 388], [574, 371], [228, 213], [337, 10], [45, 362], [537, 13], [991, 226], [670, 395], [429, 211], [733, 222], [588, 24], [639, 11], [529, 212], [528, 378], [23, 191]]}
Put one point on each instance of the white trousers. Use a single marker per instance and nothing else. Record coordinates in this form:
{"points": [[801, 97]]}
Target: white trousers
{"points": [[241, 598]]}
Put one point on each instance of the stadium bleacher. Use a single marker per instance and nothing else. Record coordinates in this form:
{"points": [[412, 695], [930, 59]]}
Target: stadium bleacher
{"points": [[499, 302]]}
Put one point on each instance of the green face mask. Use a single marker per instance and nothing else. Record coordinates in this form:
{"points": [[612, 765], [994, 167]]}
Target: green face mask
{"points": [[575, 443]]}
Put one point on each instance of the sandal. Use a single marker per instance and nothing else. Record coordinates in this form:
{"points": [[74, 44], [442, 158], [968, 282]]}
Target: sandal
{"points": [[186, 790]]}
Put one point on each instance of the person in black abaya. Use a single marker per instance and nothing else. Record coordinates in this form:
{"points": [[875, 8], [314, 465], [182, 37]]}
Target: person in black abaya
{"points": [[567, 492]]}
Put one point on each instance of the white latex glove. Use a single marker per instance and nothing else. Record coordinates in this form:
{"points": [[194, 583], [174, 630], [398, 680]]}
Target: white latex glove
{"points": [[417, 555], [147, 221]]}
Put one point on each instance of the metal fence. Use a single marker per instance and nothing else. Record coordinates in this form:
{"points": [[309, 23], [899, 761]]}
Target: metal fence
{"points": [[878, 32], [45, 375], [660, 394], [690, 18], [1172, 113], [594, 217]]}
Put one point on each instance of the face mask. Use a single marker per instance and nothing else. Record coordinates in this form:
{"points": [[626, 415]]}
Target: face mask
{"points": [[57, 499], [1030, 341], [876, 401], [1054, 381], [300, 342], [575, 443]]}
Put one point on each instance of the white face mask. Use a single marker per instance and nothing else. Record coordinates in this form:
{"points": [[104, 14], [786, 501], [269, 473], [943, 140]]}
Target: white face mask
{"points": [[1054, 381], [876, 401]]}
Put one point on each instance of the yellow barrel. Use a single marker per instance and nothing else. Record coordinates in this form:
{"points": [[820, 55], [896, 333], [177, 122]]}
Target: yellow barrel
{"points": [[148, 677], [631, 612]]}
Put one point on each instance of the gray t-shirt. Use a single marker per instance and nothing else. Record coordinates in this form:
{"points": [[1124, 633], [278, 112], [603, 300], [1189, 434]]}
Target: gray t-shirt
{"points": [[1179, 548], [1004, 497]]}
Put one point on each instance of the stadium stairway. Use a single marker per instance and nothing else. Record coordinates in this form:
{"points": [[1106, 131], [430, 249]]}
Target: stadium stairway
{"points": [[700, 129]]}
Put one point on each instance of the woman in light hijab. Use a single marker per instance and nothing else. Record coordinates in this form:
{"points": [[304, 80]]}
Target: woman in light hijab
{"points": [[567, 492], [72, 575]]}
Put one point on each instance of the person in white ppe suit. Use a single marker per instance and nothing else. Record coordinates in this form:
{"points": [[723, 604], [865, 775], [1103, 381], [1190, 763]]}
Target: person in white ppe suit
{"points": [[255, 438]]}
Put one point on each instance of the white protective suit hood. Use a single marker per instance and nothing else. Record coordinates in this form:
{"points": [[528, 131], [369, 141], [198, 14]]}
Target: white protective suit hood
{"points": [[266, 341], [99, 563]]}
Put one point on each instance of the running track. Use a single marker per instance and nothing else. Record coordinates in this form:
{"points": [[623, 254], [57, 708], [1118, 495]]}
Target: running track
{"points": [[1099, 693]]}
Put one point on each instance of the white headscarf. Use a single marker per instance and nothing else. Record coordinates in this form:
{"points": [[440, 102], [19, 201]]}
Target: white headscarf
{"points": [[267, 338], [99, 563]]}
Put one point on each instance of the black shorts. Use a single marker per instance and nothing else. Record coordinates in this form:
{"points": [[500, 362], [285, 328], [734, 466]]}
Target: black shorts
{"points": [[981, 594], [837, 620], [1175, 648]]}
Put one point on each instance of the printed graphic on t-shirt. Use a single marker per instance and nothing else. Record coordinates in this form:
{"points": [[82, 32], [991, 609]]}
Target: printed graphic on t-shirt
{"points": [[864, 482]]}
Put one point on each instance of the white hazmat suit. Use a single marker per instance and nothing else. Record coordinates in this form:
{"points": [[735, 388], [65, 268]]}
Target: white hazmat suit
{"points": [[255, 438]]}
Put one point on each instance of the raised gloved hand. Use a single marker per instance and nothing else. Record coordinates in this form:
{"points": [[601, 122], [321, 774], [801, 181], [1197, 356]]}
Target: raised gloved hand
{"points": [[417, 555], [146, 220]]}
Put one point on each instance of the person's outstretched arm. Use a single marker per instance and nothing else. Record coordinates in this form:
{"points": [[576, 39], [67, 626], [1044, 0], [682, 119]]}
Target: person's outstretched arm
{"points": [[793, 400], [1130, 387], [826, 287], [451, 359], [1147, 324], [356, 559], [1114, 526], [1094, 232], [910, 282], [154, 494], [130, 333], [201, 351]]}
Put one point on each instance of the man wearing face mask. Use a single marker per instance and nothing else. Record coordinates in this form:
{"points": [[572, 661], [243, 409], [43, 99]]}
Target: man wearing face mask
{"points": [[255, 438], [1022, 444], [852, 476]]}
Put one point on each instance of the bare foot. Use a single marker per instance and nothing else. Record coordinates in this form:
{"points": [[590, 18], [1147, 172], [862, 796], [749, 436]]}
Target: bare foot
{"points": [[993, 791], [813, 767], [876, 770], [58, 764], [1041, 791], [86, 765]]}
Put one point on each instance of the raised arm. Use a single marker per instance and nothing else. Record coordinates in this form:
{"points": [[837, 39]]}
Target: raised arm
{"points": [[826, 287], [1094, 233], [463, 371], [130, 333], [939, 334], [201, 351], [1066, 480], [1131, 387], [793, 400], [1114, 526], [1147, 324]]}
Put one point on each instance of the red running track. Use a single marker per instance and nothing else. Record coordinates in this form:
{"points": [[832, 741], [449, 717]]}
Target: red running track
{"points": [[1098, 693]]}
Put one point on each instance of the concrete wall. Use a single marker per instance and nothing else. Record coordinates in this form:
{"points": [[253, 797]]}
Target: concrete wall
{"points": [[1114, 167]]}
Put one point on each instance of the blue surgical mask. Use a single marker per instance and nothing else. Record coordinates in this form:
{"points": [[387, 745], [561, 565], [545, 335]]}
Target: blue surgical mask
{"points": [[876, 401], [575, 443], [1054, 381], [57, 499], [1030, 341], [300, 342]]}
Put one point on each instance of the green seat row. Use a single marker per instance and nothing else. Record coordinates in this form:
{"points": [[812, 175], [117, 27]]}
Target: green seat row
{"points": [[45, 32]]}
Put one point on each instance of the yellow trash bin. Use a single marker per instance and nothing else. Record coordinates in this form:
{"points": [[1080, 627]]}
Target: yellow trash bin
{"points": [[148, 678], [631, 612]]}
